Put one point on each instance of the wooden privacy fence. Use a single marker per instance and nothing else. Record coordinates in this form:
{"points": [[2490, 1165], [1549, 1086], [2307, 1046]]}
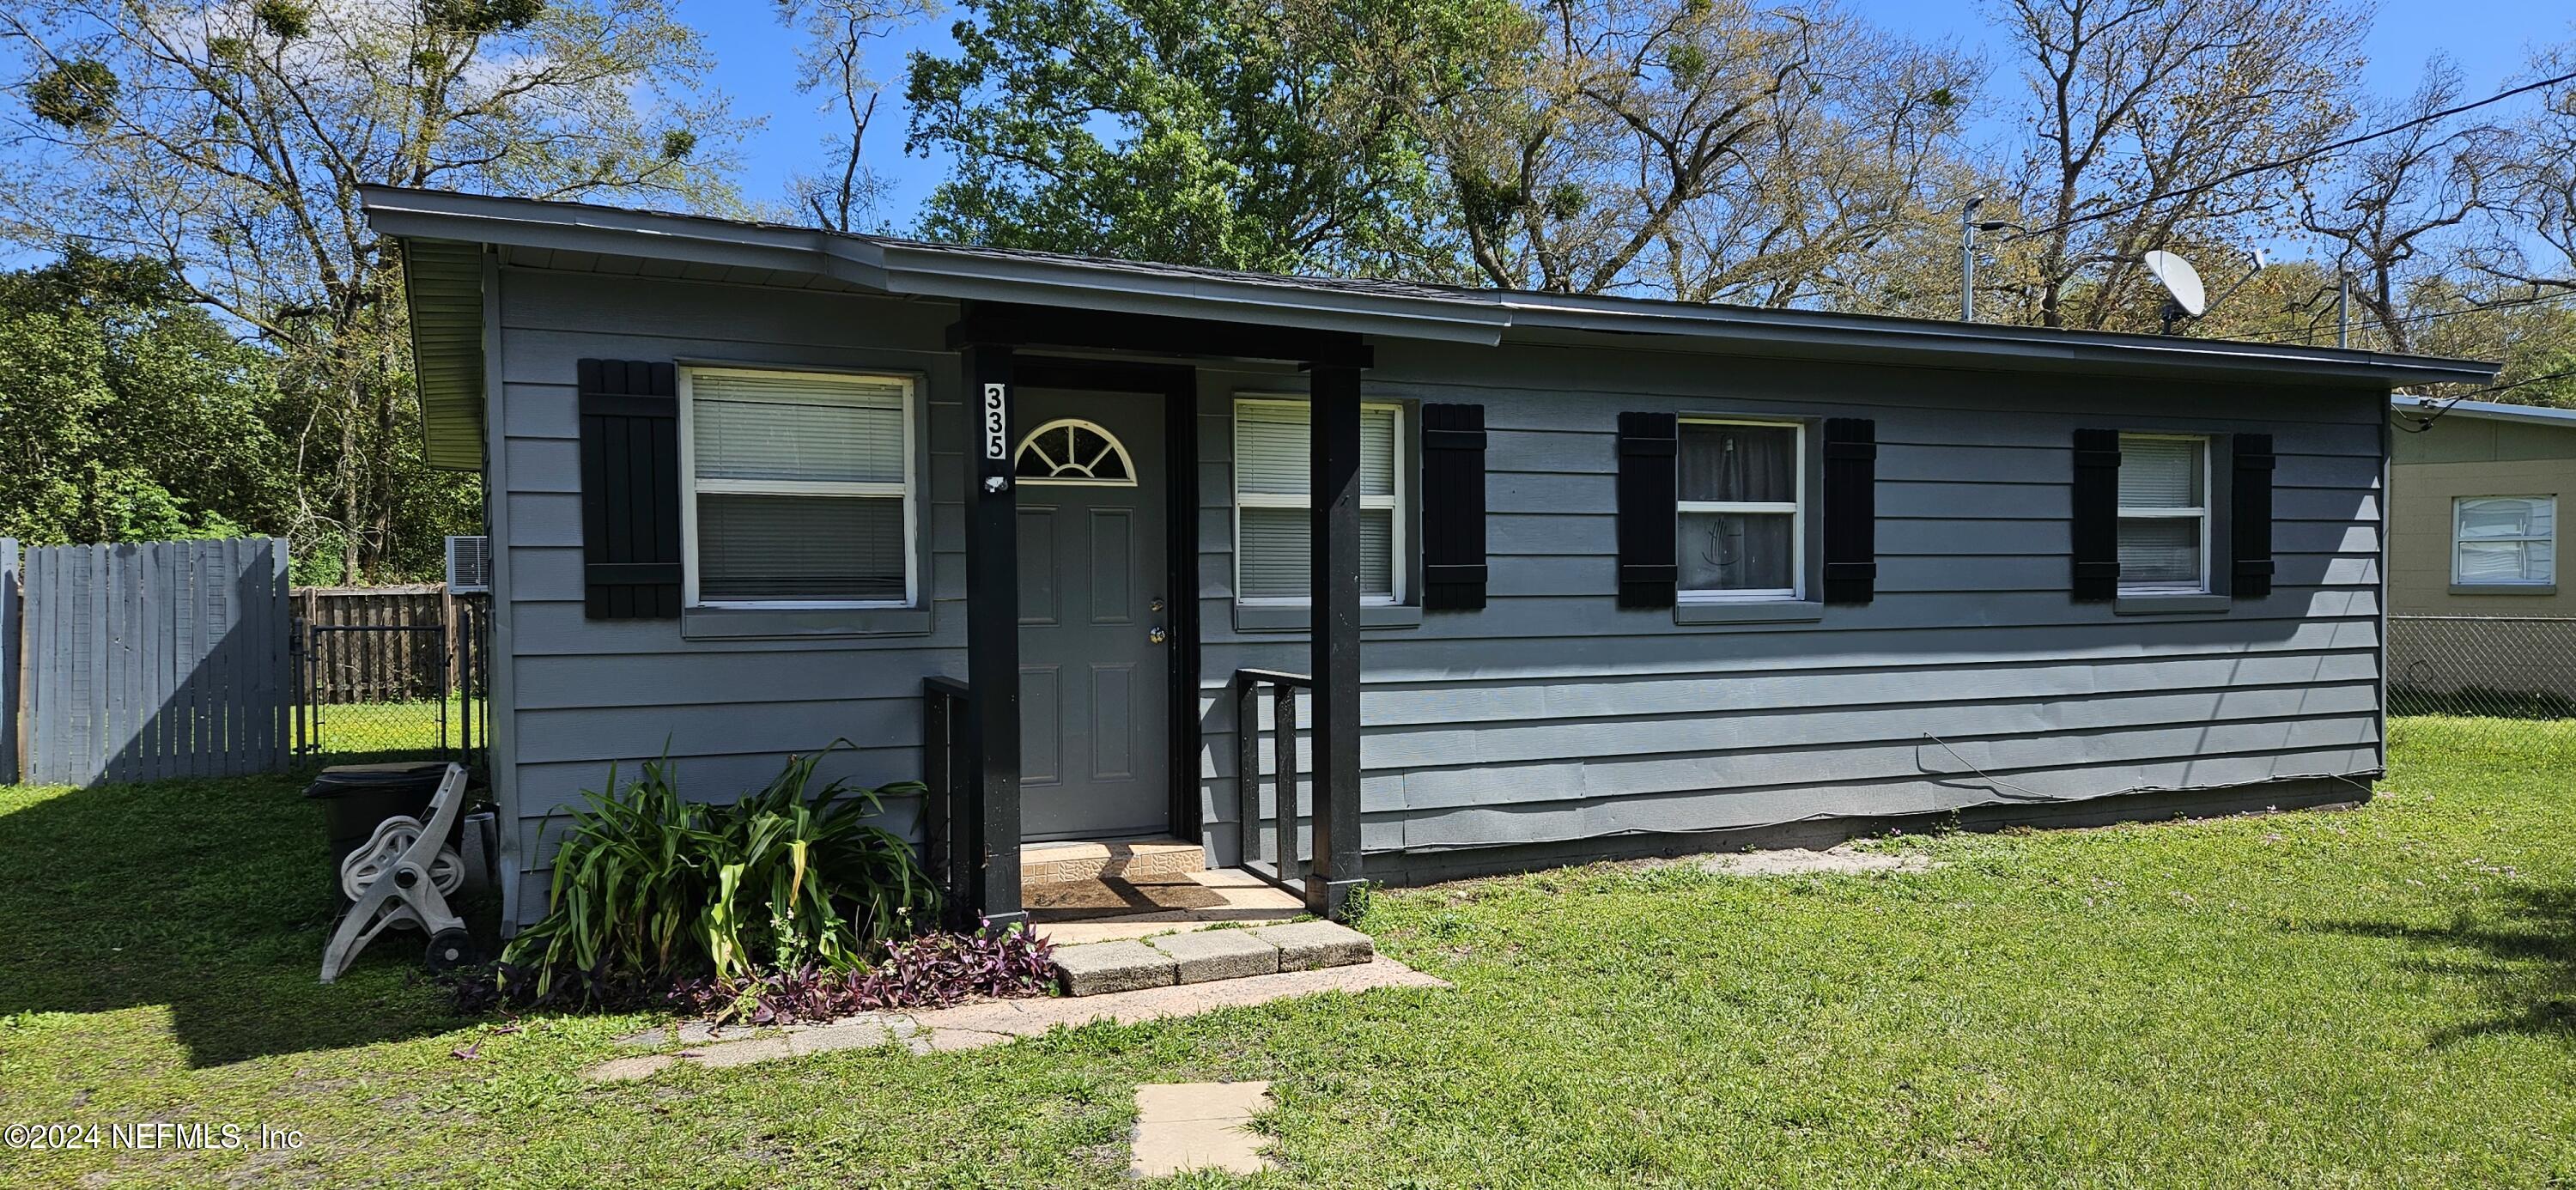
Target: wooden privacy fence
{"points": [[161, 659], [401, 645]]}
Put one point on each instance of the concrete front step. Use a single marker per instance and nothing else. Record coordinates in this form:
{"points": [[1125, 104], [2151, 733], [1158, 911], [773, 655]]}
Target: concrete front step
{"points": [[1073, 862], [1202, 956]]}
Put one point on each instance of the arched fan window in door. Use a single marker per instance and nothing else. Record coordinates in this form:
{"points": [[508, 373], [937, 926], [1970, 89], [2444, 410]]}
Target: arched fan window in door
{"points": [[1070, 451]]}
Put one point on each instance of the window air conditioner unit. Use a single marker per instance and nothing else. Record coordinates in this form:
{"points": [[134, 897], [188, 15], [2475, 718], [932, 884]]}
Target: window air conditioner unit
{"points": [[469, 565]]}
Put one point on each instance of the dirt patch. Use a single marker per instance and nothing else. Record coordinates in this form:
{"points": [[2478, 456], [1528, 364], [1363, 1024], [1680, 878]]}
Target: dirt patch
{"points": [[1798, 861]]}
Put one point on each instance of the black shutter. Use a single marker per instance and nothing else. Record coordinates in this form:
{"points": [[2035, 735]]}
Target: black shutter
{"points": [[630, 490], [1851, 509], [1453, 507], [1648, 471], [2096, 522], [2249, 516]]}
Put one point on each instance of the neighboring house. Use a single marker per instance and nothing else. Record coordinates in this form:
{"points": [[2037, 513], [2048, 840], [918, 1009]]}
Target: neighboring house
{"points": [[2476, 488], [2474, 553], [1599, 575]]}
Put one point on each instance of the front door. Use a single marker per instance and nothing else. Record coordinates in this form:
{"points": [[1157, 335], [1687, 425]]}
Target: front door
{"points": [[1094, 657]]}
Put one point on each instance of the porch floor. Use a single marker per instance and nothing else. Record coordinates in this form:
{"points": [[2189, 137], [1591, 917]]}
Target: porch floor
{"points": [[1107, 907]]}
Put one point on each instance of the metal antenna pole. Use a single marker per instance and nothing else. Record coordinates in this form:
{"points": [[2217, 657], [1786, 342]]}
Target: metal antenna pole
{"points": [[1968, 258], [2343, 308]]}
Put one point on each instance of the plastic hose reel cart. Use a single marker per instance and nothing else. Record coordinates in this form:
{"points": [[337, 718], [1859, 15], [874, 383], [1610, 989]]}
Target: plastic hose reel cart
{"points": [[401, 877]]}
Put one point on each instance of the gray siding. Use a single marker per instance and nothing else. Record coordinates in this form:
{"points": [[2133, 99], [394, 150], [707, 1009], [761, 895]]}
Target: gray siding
{"points": [[1552, 715], [584, 694]]}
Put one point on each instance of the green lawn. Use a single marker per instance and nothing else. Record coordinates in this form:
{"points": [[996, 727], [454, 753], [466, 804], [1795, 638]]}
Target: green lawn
{"points": [[390, 730], [2384, 997]]}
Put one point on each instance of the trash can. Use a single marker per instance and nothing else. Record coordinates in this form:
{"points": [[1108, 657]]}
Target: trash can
{"points": [[357, 798]]}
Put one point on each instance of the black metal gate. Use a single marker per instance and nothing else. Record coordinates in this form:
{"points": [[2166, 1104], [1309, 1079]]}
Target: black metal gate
{"points": [[413, 689]]}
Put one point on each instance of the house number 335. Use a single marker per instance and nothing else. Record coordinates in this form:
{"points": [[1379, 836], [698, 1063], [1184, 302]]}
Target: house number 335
{"points": [[995, 413]]}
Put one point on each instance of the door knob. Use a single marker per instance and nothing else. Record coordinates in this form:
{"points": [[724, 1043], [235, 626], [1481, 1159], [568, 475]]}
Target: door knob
{"points": [[1157, 635]]}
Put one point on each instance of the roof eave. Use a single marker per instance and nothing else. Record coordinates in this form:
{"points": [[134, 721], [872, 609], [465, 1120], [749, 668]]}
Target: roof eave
{"points": [[1475, 318]]}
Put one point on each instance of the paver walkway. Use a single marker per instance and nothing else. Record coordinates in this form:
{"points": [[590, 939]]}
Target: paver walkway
{"points": [[993, 1022]]}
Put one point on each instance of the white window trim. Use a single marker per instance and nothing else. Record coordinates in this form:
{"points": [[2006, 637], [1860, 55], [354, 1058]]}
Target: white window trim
{"points": [[1398, 566], [1796, 509], [691, 485], [2199, 511], [2549, 539]]}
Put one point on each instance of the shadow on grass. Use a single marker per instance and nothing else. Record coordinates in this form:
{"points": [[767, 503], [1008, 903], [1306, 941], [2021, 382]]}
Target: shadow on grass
{"points": [[2523, 943], [212, 897]]}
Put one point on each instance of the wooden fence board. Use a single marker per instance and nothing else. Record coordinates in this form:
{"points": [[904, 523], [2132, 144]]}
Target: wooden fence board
{"points": [[12, 659]]}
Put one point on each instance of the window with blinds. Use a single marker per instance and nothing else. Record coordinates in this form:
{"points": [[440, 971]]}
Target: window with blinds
{"points": [[799, 488], [1272, 550], [1739, 512], [2164, 513], [2504, 540]]}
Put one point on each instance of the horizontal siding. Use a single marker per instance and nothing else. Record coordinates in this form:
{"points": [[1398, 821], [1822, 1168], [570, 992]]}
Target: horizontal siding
{"points": [[591, 694], [1551, 715]]}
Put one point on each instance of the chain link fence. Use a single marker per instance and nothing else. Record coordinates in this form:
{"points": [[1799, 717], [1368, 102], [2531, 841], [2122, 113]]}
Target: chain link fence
{"points": [[2500, 679], [391, 674]]}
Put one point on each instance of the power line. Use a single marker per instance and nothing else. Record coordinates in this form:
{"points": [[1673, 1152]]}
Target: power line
{"points": [[2310, 338], [2300, 159]]}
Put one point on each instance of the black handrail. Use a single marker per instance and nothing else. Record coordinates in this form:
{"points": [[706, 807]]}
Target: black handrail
{"points": [[950, 815], [1288, 866]]}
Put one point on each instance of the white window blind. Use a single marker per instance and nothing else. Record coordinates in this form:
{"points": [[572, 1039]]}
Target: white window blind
{"points": [[1739, 511], [1272, 548], [2504, 540], [2164, 513], [800, 488]]}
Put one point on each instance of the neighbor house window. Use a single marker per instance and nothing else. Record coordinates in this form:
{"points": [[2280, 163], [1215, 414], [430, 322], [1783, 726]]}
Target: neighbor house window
{"points": [[1743, 523], [2504, 541], [800, 488], [1271, 547], [2164, 513]]}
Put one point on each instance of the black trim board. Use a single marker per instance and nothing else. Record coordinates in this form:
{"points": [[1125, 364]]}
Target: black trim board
{"points": [[1412, 868]]}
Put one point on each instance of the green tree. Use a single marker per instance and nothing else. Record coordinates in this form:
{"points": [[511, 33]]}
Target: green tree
{"points": [[129, 413], [228, 140], [1228, 133]]}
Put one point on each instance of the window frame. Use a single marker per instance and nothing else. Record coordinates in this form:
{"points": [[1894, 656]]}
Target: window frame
{"points": [[2201, 512], [1796, 510], [908, 490], [2518, 584], [1397, 505]]}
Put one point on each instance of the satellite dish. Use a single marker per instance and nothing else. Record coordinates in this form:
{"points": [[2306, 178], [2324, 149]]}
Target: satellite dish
{"points": [[2179, 279]]}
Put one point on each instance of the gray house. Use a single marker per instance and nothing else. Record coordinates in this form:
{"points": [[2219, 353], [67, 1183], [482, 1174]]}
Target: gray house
{"points": [[1596, 576]]}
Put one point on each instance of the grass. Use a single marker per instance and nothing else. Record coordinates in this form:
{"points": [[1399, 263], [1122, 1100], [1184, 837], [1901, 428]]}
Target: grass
{"points": [[386, 730], [2378, 997]]}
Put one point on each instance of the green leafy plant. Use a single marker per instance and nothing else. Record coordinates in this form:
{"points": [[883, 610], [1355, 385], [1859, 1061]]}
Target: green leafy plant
{"points": [[650, 885]]}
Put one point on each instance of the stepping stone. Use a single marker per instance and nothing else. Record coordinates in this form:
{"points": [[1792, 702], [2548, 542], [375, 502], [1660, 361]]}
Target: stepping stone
{"points": [[1307, 945], [1218, 954], [1186, 1126], [1125, 966]]}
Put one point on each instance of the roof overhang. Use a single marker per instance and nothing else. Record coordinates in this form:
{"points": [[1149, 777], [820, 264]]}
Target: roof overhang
{"points": [[2530, 415], [1465, 316]]}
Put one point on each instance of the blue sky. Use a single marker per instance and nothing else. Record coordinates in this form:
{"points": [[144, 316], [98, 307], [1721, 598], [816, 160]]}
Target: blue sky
{"points": [[755, 64]]}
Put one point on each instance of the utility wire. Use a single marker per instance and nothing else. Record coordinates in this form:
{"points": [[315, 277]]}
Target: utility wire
{"points": [[2300, 159], [2310, 338]]}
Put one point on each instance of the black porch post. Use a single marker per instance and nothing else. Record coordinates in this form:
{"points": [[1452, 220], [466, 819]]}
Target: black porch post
{"points": [[1335, 528], [992, 632]]}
